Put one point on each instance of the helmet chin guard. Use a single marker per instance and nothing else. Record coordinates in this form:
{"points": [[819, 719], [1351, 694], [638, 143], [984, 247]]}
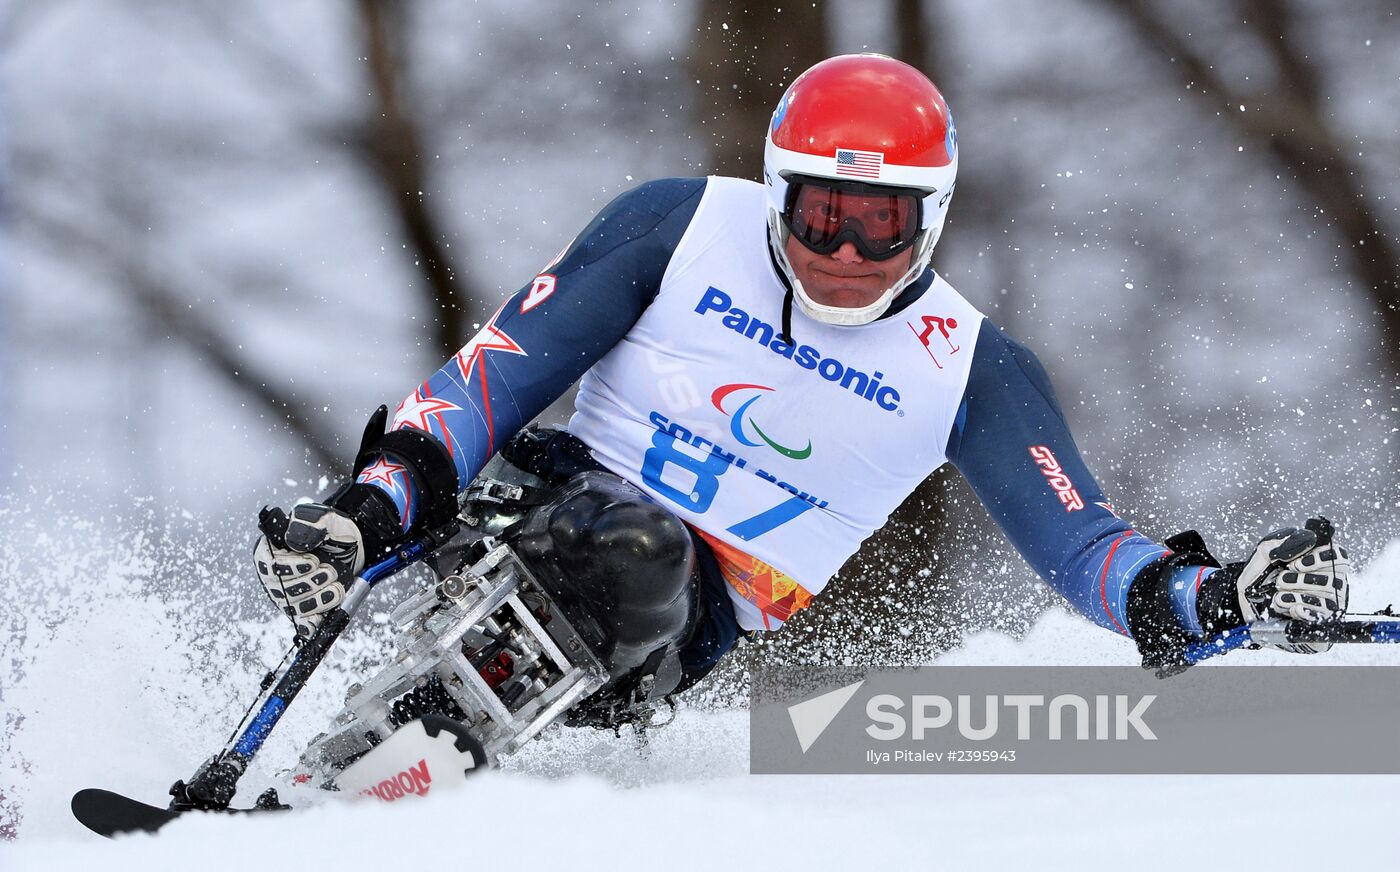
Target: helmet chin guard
{"points": [[861, 118], [845, 315], [840, 314]]}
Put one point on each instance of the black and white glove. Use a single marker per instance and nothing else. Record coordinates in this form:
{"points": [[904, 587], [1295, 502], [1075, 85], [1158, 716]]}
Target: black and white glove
{"points": [[306, 561], [305, 572], [1293, 574]]}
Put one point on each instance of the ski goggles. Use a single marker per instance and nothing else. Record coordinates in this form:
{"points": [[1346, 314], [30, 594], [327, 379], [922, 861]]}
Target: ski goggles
{"points": [[880, 221]]}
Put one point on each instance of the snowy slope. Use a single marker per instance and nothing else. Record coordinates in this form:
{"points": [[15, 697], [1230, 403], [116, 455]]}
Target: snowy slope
{"points": [[108, 699]]}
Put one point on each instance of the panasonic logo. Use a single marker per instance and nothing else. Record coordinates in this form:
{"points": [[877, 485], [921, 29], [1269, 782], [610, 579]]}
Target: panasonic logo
{"points": [[867, 386]]}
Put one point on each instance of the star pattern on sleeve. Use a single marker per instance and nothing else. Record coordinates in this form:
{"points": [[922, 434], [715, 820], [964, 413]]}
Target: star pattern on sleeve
{"points": [[385, 473], [418, 411]]}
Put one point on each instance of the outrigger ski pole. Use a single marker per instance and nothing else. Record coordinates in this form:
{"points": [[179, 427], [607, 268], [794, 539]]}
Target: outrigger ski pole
{"points": [[213, 785], [1382, 627]]}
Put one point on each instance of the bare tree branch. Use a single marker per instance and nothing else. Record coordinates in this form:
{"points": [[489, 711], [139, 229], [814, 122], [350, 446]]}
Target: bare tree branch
{"points": [[1273, 21], [387, 139], [911, 35], [157, 299], [745, 55], [1290, 122], [395, 152], [217, 351]]}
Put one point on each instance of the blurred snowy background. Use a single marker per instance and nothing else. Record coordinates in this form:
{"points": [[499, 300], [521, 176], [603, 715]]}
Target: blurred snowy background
{"points": [[229, 231]]}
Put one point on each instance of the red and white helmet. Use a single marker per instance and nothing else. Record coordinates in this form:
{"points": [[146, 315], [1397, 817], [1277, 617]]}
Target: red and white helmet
{"points": [[870, 121]]}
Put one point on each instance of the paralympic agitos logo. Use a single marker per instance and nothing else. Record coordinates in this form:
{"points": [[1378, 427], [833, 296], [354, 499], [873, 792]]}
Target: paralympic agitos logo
{"points": [[741, 415]]}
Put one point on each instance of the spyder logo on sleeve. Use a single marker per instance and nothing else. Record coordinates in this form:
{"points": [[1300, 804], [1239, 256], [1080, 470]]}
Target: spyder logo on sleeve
{"points": [[1063, 487]]}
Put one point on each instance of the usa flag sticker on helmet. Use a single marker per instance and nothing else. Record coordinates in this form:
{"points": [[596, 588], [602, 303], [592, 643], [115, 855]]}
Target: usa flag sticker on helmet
{"points": [[860, 164]]}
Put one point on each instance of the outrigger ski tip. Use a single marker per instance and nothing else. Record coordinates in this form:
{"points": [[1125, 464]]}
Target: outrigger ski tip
{"points": [[110, 814], [107, 813], [433, 752]]}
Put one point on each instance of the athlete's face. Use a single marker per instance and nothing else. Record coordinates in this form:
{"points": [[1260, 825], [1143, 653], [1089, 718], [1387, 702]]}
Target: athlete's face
{"points": [[844, 278]]}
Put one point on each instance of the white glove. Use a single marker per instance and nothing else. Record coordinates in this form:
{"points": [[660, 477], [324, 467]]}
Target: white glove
{"points": [[1295, 575], [305, 573]]}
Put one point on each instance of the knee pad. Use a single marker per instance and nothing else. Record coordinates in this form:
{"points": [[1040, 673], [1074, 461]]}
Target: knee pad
{"points": [[619, 565]]}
